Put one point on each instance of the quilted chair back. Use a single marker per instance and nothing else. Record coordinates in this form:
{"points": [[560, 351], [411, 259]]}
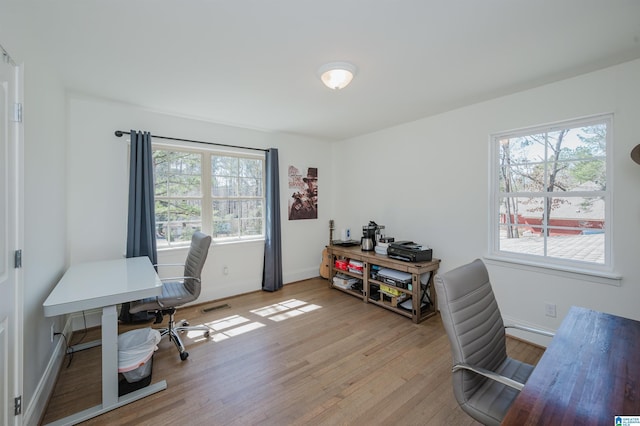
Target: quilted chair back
{"points": [[473, 323], [196, 257]]}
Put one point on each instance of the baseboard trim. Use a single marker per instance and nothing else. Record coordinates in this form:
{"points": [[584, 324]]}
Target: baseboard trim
{"points": [[34, 412], [531, 338], [86, 319], [301, 274]]}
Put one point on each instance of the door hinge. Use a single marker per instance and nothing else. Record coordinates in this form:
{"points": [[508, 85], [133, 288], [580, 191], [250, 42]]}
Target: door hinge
{"points": [[17, 259], [17, 406], [17, 112]]}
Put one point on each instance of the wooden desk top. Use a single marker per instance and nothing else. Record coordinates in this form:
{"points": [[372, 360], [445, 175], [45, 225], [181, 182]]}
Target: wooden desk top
{"points": [[589, 373]]}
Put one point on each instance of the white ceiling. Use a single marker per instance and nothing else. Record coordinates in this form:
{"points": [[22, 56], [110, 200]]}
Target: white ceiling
{"points": [[253, 63]]}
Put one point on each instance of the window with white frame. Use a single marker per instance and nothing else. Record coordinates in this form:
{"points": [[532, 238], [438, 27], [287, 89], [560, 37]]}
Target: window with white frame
{"points": [[551, 199], [220, 194]]}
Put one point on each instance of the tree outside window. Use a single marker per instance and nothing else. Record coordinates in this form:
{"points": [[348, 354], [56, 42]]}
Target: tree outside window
{"points": [[192, 185], [551, 196]]}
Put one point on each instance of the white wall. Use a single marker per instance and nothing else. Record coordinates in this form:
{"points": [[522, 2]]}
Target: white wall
{"points": [[44, 251], [97, 186], [427, 181], [45, 239]]}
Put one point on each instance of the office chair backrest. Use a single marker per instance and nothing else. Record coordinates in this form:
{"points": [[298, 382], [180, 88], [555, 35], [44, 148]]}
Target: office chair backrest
{"points": [[473, 323], [195, 262]]}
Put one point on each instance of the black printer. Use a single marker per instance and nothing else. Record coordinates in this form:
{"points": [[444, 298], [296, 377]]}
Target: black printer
{"points": [[409, 251]]}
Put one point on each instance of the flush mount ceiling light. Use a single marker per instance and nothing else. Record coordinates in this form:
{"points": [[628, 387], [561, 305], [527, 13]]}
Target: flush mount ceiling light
{"points": [[635, 154], [337, 75]]}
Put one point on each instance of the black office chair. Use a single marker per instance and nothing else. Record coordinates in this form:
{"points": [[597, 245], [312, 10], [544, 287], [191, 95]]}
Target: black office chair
{"points": [[177, 291], [485, 379]]}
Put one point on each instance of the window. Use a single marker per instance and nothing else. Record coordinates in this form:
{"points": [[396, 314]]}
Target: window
{"points": [[551, 197], [222, 195], [237, 196]]}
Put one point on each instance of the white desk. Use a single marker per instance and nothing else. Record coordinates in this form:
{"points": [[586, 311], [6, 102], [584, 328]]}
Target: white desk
{"points": [[104, 285]]}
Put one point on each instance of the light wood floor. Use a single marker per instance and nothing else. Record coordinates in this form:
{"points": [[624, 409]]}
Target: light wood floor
{"points": [[303, 355]]}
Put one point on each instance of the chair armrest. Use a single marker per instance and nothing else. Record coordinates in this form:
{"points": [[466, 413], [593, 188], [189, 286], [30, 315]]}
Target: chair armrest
{"points": [[530, 329], [179, 278], [489, 374]]}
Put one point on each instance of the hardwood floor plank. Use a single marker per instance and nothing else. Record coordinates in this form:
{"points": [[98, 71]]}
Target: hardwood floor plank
{"points": [[306, 354]]}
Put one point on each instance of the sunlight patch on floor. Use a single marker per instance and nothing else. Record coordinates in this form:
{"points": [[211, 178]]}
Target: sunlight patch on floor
{"points": [[196, 335], [284, 310], [244, 329], [235, 325], [228, 322], [231, 326]]}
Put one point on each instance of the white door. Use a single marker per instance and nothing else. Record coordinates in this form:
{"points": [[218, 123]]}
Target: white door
{"points": [[10, 234]]}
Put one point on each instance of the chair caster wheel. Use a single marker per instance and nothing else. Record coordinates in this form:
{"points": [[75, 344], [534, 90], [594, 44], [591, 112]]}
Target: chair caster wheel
{"points": [[207, 334], [185, 323], [184, 355]]}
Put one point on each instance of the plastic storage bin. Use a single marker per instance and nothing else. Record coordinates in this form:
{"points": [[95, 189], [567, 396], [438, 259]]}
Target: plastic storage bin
{"points": [[341, 264], [135, 358], [355, 266]]}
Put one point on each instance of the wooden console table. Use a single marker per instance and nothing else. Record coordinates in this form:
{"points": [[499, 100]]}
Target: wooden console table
{"points": [[369, 259]]}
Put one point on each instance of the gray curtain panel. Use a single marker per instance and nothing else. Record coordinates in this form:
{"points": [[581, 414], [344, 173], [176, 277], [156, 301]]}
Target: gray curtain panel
{"points": [[141, 226], [272, 272], [141, 229]]}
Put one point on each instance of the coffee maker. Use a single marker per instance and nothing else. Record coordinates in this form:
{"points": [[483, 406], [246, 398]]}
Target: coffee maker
{"points": [[369, 234]]}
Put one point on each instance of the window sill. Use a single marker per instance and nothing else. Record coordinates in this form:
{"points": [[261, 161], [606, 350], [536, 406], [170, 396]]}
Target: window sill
{"points": [[239, 241], [214, 243], [601, 277]]}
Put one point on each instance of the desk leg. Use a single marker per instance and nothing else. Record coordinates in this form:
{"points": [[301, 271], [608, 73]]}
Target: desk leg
{"points": [[110, 398], [417, 300], [109, 356]]}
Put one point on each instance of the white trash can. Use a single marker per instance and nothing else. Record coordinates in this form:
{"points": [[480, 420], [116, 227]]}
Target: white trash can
{"points": [[135, 357]]}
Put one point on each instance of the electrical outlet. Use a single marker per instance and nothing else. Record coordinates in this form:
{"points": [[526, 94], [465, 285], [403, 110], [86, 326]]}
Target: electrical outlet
{"points": [[550, 309], [225, 270], [52, 332]]}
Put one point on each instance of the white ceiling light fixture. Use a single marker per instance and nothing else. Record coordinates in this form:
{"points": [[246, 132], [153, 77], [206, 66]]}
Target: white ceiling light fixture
{"points": [[337, 75]]}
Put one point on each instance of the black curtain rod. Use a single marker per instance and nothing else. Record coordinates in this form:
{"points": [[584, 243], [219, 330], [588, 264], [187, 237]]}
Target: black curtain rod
{"points": [[119, 134]]}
